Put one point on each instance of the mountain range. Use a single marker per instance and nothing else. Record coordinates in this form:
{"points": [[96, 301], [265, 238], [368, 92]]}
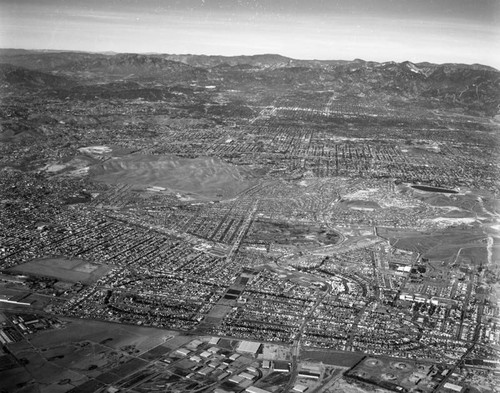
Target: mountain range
{"points": [[472, 89]]}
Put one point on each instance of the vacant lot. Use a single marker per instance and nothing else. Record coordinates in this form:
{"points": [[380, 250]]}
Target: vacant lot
{"points": [[72, 270], [441, 245]]}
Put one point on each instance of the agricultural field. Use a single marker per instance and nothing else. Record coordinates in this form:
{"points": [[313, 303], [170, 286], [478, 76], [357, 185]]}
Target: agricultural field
{"points": [[81, 353]]}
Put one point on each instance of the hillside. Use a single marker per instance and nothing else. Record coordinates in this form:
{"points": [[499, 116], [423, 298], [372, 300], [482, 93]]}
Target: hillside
{"points": [[472, 89]]}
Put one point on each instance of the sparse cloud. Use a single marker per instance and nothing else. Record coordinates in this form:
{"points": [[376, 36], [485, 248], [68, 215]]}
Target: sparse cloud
{"points": [[229, 28]]}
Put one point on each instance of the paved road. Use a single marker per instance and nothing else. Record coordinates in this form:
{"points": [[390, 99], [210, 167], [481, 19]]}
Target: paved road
{"points": [[243, 230], [296, 341], [475, 339]]}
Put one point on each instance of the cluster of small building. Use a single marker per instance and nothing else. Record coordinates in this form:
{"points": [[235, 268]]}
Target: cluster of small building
{"points": [[213, 363], [16, 326]]}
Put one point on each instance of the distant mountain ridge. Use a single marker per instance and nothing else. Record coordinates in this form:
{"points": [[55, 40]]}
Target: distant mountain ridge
{"points": [[267, 59], [471, 88]]}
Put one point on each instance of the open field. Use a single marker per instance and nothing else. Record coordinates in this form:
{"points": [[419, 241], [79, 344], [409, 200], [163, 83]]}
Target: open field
{"points": [[206, 177], [55, 377], [110, 334], [61, 359], [444, 244], [72, 270], [16, 377]]}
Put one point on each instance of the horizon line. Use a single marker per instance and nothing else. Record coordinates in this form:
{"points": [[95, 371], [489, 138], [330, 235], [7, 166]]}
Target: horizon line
{"points": [[111, 53]]}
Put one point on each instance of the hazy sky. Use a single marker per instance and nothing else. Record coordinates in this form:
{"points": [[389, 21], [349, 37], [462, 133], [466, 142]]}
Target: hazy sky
{"points": [[439, 31]]}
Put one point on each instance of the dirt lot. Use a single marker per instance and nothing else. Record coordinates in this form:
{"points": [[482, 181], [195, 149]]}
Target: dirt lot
{"points": [[71, 270]]}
